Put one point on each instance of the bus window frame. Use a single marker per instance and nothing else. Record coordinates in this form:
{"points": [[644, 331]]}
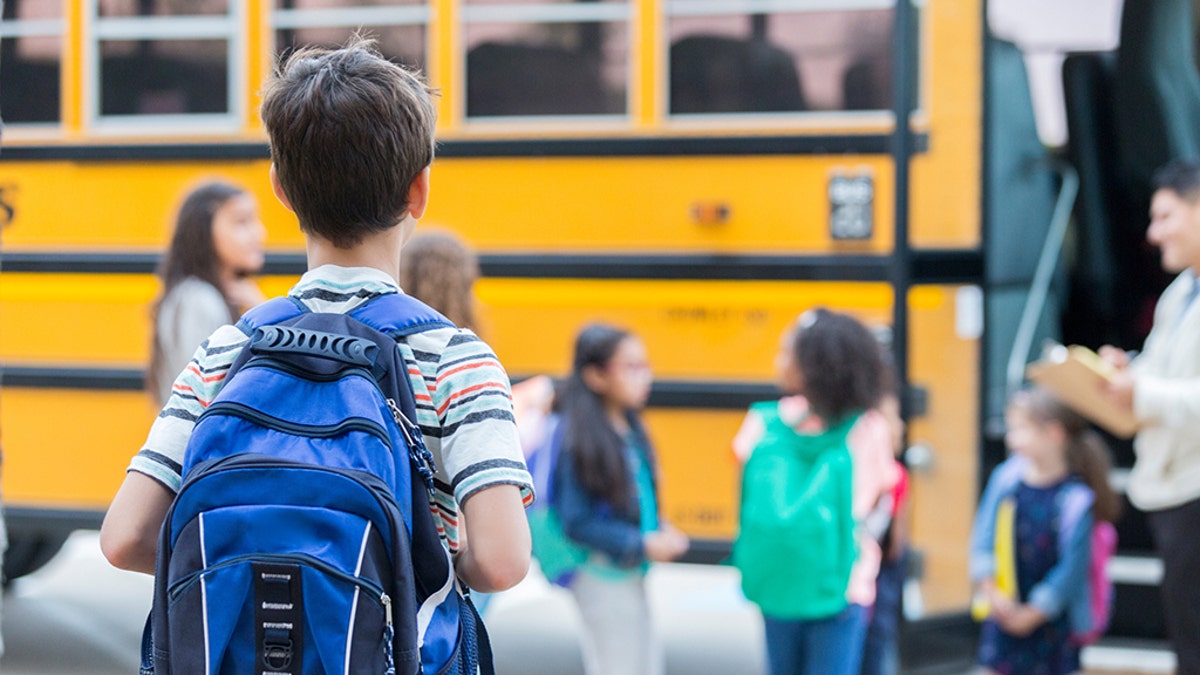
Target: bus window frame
{"points": [[230, 27]]}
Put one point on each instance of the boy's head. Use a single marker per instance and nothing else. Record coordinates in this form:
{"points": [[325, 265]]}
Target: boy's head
{"points": [[349, 133], [1175, 215]]}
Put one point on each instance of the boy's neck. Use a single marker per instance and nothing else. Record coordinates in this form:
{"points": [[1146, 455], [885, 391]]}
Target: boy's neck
{"points": [[379, 250]]}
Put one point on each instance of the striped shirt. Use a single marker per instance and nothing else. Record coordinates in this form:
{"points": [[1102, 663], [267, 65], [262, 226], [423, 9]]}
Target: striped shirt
{"points": [[464, 403]]}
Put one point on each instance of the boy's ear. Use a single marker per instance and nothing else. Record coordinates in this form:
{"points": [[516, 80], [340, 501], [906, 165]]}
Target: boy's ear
{"points": [[278, 190], [418, 194]]}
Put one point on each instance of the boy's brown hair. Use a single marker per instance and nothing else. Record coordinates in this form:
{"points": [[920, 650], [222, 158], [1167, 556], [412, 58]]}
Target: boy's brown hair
{"points": [[349, 131]]}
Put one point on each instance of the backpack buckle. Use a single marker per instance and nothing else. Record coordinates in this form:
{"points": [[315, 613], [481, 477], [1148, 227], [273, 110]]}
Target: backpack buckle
{"points": [[277, 648]]}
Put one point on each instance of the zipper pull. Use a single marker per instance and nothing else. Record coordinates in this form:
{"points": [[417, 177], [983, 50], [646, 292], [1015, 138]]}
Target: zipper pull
{"points": [[416, 444], [401, 420], [389, 635]]}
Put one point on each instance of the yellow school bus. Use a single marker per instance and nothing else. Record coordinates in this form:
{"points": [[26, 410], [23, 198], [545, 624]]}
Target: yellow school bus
{"points": [[699, 171]]}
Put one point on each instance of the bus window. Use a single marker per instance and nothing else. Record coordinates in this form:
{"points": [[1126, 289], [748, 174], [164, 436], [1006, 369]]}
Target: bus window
{"points": [[127, 8], [30, 61], [155, 60], [733, 59], [163, 77], [546, 58], [398, 26]]}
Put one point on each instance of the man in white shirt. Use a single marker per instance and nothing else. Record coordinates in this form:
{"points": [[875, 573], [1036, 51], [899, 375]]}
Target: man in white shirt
{"points": [[1162, 387]]}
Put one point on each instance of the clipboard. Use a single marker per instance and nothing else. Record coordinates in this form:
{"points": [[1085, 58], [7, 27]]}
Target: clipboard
{"points": [[1077, 376]]}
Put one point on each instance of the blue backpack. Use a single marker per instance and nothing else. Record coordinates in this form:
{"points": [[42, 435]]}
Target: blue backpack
{"points": [[301, 540]]}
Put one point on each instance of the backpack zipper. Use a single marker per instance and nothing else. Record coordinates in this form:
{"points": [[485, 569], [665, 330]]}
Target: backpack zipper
{"points": [[182, 585], [245, 412], [283, 366], [374, 484]]}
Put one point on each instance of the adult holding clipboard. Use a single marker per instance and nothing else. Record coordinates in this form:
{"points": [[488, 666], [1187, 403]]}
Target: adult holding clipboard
{"points": [[1161, 387]]}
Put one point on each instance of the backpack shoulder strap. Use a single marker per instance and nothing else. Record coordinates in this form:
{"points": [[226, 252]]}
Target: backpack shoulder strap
{"points": [[271, 312], [1074, 501], [399, 315], [395, 314], [1007, 474]]}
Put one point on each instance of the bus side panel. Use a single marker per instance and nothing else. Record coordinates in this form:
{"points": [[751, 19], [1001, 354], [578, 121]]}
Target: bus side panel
{"points": [[75, 318], [944, 360], [68, 448], [774, 204], [700, 479], [90, 205], [696, 330]]}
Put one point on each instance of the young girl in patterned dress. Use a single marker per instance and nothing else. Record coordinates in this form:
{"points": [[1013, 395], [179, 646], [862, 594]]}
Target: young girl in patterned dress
{"points": [[1031, 581]]}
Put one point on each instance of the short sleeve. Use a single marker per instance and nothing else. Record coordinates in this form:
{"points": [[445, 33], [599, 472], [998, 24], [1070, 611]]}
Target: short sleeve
{"points": [[480, 445]]}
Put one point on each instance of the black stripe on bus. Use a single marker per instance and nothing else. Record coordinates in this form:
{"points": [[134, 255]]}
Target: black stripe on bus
{"points": [[91, 379], [722, 395], [708, 551], [929, 267], [664, 394], [122, 263], [21, 520], [837, 144]]}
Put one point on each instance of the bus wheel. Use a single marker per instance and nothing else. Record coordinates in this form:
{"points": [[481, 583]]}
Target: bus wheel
{"points": [[29, 551]]}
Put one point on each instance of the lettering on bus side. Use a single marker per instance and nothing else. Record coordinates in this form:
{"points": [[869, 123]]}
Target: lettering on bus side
{"points": [[700, 515], [715, 314], [8, 209]]}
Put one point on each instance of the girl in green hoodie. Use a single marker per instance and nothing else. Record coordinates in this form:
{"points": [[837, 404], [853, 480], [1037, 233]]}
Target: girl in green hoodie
{"points": [[797, 543]]}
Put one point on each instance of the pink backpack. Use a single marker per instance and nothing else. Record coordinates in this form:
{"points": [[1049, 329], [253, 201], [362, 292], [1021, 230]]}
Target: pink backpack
{"points": [[1100, 588]]}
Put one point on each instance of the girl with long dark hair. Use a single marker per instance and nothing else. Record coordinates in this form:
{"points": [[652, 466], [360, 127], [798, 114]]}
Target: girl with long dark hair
{"points": [[606, 496], [206, 274]]}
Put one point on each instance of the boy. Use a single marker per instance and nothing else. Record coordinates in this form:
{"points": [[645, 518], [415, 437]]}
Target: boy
{"points": [[351, 138]]}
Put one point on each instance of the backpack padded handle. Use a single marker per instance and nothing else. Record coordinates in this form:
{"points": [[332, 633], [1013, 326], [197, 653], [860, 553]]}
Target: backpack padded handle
{"points": [[289, 340]]}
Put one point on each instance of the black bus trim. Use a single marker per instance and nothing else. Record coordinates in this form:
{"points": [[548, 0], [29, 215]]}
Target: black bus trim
{"points": [[949, 266], [650, 146]]}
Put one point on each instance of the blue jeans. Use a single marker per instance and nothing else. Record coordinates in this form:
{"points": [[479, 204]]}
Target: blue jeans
{"points": [[880, 651], [830, 646]]}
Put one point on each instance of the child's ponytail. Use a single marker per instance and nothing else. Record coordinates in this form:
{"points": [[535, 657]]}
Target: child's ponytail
{"points": [[1087, 456]]}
